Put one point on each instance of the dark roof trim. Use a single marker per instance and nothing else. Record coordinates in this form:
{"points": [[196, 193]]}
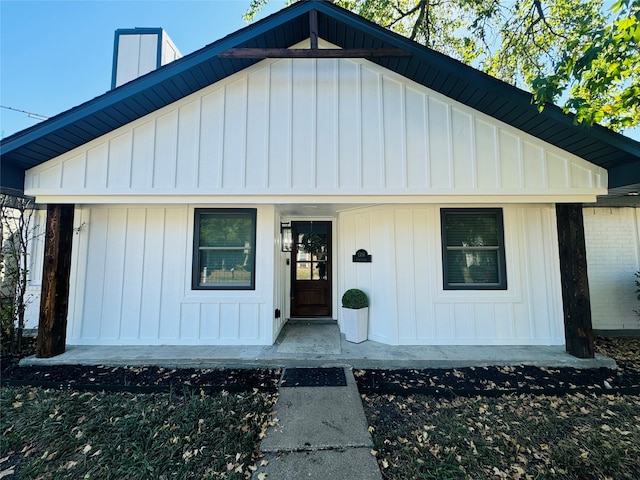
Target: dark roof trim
{"points": [[287, 27]]}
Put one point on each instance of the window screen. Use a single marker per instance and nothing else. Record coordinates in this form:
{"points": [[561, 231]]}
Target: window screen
{"points": [[473, 249], [224, 249]]}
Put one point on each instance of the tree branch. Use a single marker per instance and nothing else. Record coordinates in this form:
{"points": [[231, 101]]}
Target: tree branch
{"points": [[424, 13], [542, 17]]}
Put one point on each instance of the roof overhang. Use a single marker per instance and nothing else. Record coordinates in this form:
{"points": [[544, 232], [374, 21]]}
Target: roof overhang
{"points": [[618, 154]]}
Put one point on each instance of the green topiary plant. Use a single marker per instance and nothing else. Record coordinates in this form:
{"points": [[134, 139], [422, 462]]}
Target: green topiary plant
{"points": [[355, 298]]}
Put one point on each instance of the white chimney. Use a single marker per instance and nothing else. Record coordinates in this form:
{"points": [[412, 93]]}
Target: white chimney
{"points": [[138, 51]]}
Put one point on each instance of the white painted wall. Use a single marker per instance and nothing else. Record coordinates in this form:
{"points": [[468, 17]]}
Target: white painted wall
{"points": [[132, 267], [131, 281], [169, 51], [137, 54], [115, 248], [408, 304], [612, 236], [285, 132], [281, 280], [318, 127]]}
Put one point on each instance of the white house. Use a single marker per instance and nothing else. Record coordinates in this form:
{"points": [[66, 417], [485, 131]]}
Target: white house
{"points": [[184, 186]]}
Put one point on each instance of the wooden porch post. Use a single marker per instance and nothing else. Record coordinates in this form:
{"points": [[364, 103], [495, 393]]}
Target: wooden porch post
{"points": [[54, 298], [575, 284]]}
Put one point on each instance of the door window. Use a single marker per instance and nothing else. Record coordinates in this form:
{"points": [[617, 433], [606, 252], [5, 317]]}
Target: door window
{"points": [[312, 252]]}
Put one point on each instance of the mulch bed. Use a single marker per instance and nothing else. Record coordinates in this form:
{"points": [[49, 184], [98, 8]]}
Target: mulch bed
{"points": [[519, 379], [497, 381], [142, 379], [442, 382]]}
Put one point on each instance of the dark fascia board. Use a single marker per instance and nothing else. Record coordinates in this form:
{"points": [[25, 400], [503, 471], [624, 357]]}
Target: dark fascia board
{"points": [[630, 198], [12, 179], [255, 33], [625, 176]]}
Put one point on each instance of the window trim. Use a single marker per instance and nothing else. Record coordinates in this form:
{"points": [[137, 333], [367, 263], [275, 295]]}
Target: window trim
{"points": [[195, 269], [500, 248]]}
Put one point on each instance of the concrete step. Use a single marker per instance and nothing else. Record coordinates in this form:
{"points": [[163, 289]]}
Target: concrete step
{"points": [[347, 464]]}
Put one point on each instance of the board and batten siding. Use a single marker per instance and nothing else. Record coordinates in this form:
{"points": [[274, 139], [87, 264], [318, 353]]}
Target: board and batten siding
{"points": [[131, 282], [612, 238], [317, 127], [408, 305]]}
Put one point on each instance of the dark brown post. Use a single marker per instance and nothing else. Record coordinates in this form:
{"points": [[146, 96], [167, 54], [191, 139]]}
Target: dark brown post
{"points": [[54, 298], [575, 284]]}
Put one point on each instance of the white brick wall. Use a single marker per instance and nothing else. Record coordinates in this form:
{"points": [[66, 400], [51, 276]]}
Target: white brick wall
{"points": [[612, 237]]}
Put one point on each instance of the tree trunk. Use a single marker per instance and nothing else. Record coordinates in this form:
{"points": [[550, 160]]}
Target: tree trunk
{"points": [[54, 300], [575, 283]]}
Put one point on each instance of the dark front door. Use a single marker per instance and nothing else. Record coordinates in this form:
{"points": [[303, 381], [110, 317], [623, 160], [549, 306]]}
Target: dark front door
{"points": [[311, 269]]}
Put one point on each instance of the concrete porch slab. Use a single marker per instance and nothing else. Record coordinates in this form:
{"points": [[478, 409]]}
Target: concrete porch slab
{"points": [[308, 338], [368, 354]]}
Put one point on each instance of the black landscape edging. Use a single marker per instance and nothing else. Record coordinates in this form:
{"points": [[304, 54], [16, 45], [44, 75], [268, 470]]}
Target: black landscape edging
{"points": [[380, 390], [470, 392], [175, 388]]}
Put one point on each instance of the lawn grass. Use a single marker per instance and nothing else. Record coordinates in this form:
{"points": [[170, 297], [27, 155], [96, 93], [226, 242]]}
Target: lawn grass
{"points": [[80, 435], [512, 437], [574, 437]]}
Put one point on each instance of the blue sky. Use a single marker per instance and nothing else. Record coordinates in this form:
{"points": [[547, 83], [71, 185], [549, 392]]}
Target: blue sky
{"points": [[55, 55]]}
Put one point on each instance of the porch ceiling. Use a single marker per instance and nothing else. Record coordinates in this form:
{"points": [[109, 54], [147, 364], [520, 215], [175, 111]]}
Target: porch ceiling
{"points": [[310, 210]]}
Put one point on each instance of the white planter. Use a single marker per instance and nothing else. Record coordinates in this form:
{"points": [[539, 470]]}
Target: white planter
{"points": [[355, 324]]}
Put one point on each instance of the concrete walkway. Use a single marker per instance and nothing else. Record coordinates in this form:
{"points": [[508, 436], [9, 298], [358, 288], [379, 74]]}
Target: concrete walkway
{"points": [[321, 433], [320, 344]]}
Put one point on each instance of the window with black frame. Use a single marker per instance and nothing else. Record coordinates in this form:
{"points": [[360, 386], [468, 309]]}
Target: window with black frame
{"points": [[473, 255], [224, 249]]}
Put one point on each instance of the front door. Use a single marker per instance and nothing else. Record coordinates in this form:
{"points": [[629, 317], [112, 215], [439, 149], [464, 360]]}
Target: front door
{"points": [[311, 272]]}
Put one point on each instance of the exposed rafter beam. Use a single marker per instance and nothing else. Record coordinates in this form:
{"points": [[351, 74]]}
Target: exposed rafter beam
{"points": [[313, 29], [313, 51]]}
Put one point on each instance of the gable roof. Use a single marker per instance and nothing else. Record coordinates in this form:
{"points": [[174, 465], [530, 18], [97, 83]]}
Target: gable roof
{"points": [[620, 155]]}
